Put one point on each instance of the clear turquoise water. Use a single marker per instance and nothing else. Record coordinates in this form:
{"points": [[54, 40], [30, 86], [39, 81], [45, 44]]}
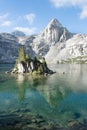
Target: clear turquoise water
{"points": [[59, 97]]}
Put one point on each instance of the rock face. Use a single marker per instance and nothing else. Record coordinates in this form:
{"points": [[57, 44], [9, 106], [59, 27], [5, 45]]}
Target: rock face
{"points": [[53, 34], [9, 47], [74, 51], [77, 45], [20, 68]]}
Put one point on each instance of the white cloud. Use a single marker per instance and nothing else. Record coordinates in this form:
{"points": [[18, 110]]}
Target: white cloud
{"points": [[30, 17], [4, 20], [4, 16], [83, 13], [76, 3], [61, 3], [26, 30], [6, 23]]}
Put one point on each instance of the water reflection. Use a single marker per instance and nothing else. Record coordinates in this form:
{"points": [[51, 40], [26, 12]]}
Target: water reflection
{"points": [[20, 78], [56, 87], [21, 81], [52, 90], [52, 95], [75, 76]]}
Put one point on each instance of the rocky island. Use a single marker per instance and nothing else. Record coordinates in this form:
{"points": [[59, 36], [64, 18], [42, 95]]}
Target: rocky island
{"points": [[25, 64]]}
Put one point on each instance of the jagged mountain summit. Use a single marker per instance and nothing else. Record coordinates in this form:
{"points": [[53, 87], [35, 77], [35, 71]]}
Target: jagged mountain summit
{"points": [[55, 43], [53, 34]]}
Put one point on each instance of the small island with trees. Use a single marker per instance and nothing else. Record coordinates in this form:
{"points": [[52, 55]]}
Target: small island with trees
{"points": [[25, 64]]}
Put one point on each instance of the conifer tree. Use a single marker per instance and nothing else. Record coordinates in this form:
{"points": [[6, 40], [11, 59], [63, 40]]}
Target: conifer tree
{"points": [[28, 58], [44, 62], [22, 55]]}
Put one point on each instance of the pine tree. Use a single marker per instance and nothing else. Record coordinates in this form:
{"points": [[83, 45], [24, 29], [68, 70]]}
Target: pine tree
{"points": [[28, 58], [40, 69], [44, 62], [22, 55]]}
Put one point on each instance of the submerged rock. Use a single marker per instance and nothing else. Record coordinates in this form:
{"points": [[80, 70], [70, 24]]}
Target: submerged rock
{"points": [[29, 121]]}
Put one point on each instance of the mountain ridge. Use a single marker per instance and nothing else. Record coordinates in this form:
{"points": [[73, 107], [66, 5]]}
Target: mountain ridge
{"points": [[55, 43], [18, 33]]}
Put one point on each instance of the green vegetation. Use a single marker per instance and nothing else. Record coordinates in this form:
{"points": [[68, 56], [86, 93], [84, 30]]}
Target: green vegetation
{"points": [[22, 55], [40, 69], [27, 57], [77, 60]]}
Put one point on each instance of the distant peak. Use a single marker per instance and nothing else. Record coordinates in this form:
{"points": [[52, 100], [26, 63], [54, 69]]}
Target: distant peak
{"points": [[55, 22], [18, 33]]}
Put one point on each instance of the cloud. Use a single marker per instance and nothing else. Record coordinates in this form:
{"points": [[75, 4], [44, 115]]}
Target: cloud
{"points": [[83, 14], [30, 17], [4, 20], [4, 16], [76, 3], [6, 23], [26, 30], [62, 3], [18, 23]]}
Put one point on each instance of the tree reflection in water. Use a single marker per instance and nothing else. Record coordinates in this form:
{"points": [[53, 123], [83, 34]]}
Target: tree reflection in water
{"points": [[52, 92]]}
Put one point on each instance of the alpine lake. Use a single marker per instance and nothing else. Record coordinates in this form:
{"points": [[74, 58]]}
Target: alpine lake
{"points": [[53, 102]]}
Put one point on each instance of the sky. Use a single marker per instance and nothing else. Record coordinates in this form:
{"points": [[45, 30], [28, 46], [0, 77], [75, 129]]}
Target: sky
{"points": [[32, 16]]}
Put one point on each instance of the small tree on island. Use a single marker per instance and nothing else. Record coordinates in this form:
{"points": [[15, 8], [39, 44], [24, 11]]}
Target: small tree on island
{"points": [[22, 54], [28, 58]]}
